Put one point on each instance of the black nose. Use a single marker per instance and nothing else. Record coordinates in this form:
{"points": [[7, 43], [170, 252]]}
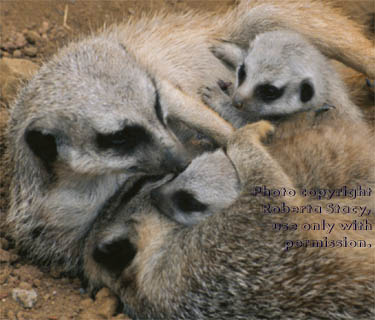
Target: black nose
{"points": [[116, 255], [176, 163]]}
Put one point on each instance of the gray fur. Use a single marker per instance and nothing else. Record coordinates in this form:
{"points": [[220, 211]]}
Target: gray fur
{"points": [[81, 93], [230, 265], [285, 60], [208, 185]]}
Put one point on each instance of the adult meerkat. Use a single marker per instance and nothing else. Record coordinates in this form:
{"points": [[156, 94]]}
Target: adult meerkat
{"points": [[231, 264], [97, 114], [280, 74]]}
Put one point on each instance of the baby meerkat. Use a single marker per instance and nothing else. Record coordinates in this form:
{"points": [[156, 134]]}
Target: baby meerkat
{"points": [[209, 184], [280, 74]]}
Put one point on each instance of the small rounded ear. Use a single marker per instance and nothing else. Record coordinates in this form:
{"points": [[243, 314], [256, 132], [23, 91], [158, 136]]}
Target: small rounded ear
{"points": [[43, 145], [306, 91]]}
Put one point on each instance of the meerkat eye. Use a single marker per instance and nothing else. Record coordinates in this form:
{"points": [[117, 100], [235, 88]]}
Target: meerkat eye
{"points": [[126, 139], [186, 202], [241, 74], [306, 91], [268, 92], [158, 109]]}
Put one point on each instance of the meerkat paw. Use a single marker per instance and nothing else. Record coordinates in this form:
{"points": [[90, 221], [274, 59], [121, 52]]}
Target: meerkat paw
{"points": [[216, 96], [259, 130]]}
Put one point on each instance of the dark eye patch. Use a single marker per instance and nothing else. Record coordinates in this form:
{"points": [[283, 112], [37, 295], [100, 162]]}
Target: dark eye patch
{"points": [[268, 92], [306, 91], [43, 145], [125, 140], [158, 110], [186, 202], [241, 74]]}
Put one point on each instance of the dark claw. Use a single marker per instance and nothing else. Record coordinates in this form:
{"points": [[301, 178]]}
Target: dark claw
{"points": [[369, 83], [224, 85], [324, 108]]}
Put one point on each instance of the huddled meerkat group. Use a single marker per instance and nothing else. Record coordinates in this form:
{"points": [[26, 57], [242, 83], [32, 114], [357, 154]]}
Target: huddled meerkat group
{"points": [[101, 144]]}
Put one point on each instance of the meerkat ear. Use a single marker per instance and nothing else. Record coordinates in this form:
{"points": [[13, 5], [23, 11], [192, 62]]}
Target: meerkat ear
{"points": [[43, 145], [229, 53]]}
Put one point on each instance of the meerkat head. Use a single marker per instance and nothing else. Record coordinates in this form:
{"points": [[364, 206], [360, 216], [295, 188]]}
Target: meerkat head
{"points": [[281, 74], [90, 121], [209, 184], [92, 110]]}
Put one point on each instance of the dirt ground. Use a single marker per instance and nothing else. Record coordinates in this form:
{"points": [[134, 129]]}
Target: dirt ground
{"points": [[34, 30]]}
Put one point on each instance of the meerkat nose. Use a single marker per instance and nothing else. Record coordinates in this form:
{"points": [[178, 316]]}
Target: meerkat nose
{"points": [[238, 101], [176, 162]]}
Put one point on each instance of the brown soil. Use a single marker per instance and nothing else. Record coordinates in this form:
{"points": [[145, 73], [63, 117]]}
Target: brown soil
{"points": [[34, 30]]}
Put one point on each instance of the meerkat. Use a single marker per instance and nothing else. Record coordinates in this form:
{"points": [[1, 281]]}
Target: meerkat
{"points": [[326, 163], [97, 114], [185, 199], [280, 74], [231, 264]]}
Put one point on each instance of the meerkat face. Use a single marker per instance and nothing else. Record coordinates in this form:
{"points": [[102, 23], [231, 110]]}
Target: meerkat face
{"points": [[94, 111], [281, 74], [208, 185]]}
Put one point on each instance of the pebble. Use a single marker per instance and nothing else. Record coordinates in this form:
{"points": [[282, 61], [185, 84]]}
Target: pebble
{"points": [[32, 36], [25, 285], [4, 244], [11, 315], [12, 71], [106, 303], [27, 298], [30, 51], [6, 256], [17, 53]]}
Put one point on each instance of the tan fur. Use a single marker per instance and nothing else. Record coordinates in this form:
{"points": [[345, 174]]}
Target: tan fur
{"points": [[232, 263]]}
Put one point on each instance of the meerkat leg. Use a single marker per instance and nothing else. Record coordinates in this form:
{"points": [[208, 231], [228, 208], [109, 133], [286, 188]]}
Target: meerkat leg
{"points": [[194, 113], [255, 166], [335, 35], [222, 103]]}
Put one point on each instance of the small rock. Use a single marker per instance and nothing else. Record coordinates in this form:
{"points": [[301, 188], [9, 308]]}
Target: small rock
{"points": [[63, 318], [27, 298], [44, 28], [5, 54], [4, 244], [103, 293], [25, 285], [24, 316], [32, 36], [17, 53], [6, 256], [12, 72], [121, 317], [106, 303], [11, 315], [30, 51], [86, 303], [5, 272], [89, 315], [3, 295], [37, 283], [56, 273]]}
